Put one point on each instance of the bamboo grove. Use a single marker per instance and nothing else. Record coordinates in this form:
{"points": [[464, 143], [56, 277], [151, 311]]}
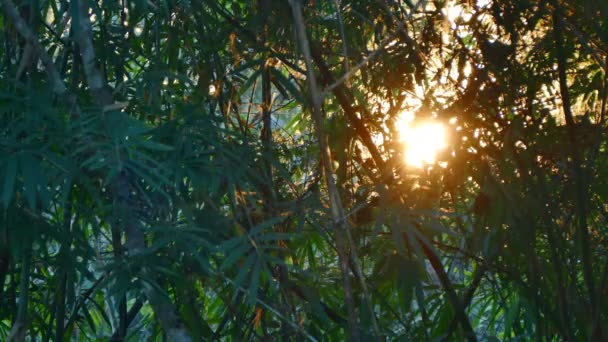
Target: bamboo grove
{"points": [[186, 170]]}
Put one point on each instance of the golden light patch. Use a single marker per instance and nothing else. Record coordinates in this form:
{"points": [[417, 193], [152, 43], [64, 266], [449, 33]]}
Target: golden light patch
{"points": [[422, 141]]}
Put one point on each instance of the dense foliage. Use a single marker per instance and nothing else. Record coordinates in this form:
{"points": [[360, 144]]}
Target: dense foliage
{"points": [[234, 170]]}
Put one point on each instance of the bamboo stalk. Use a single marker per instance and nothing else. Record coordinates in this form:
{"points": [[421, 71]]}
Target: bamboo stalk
{"points": [[337, 215], [164, 310]]}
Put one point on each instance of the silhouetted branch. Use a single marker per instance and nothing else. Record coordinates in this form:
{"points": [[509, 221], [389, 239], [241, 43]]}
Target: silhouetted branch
{"points": [[116, 336]]}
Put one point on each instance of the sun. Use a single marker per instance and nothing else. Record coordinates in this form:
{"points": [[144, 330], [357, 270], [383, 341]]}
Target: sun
{"points": [[422, 141]]}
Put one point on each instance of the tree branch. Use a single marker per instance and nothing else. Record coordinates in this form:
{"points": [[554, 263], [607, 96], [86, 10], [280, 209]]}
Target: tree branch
{"points": [[118, 335], [383, 44], [30, 37], [458, 306], [468, 297]]}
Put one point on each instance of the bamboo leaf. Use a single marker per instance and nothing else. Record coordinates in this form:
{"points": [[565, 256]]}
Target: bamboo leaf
{"points": [[10, 178]]}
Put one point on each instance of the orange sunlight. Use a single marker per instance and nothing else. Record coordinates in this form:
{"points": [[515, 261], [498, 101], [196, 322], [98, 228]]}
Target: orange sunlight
{"points": [[423, 141]]}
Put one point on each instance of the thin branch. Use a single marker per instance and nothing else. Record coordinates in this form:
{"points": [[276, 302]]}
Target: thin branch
{"points": [[84, 36], [458, 306], [344, 97], [273, 310], [359, 65], [30, 37], [586, 44], [602, 121], [383, 44], [118, 335], [468, 297], [581, 186], [83, 298], [57, 36], [334, 316], [62, 288], [251, 36], [338, 4], [19, 328]]}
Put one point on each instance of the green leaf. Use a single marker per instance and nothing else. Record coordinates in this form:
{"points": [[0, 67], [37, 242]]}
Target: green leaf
{"points": [[283, 81], [234, 255], [30, 171], [154, 146], [408, 277], [245, 269], [9, 181], [245, 86], [257, 230], [255, 282], [511, 315]]}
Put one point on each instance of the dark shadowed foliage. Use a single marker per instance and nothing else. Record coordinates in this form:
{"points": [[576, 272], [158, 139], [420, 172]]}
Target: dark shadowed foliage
{"points": [[188, 170]]}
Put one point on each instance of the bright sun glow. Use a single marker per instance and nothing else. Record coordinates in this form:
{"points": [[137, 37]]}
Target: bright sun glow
{"points": [[422, 141]]}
